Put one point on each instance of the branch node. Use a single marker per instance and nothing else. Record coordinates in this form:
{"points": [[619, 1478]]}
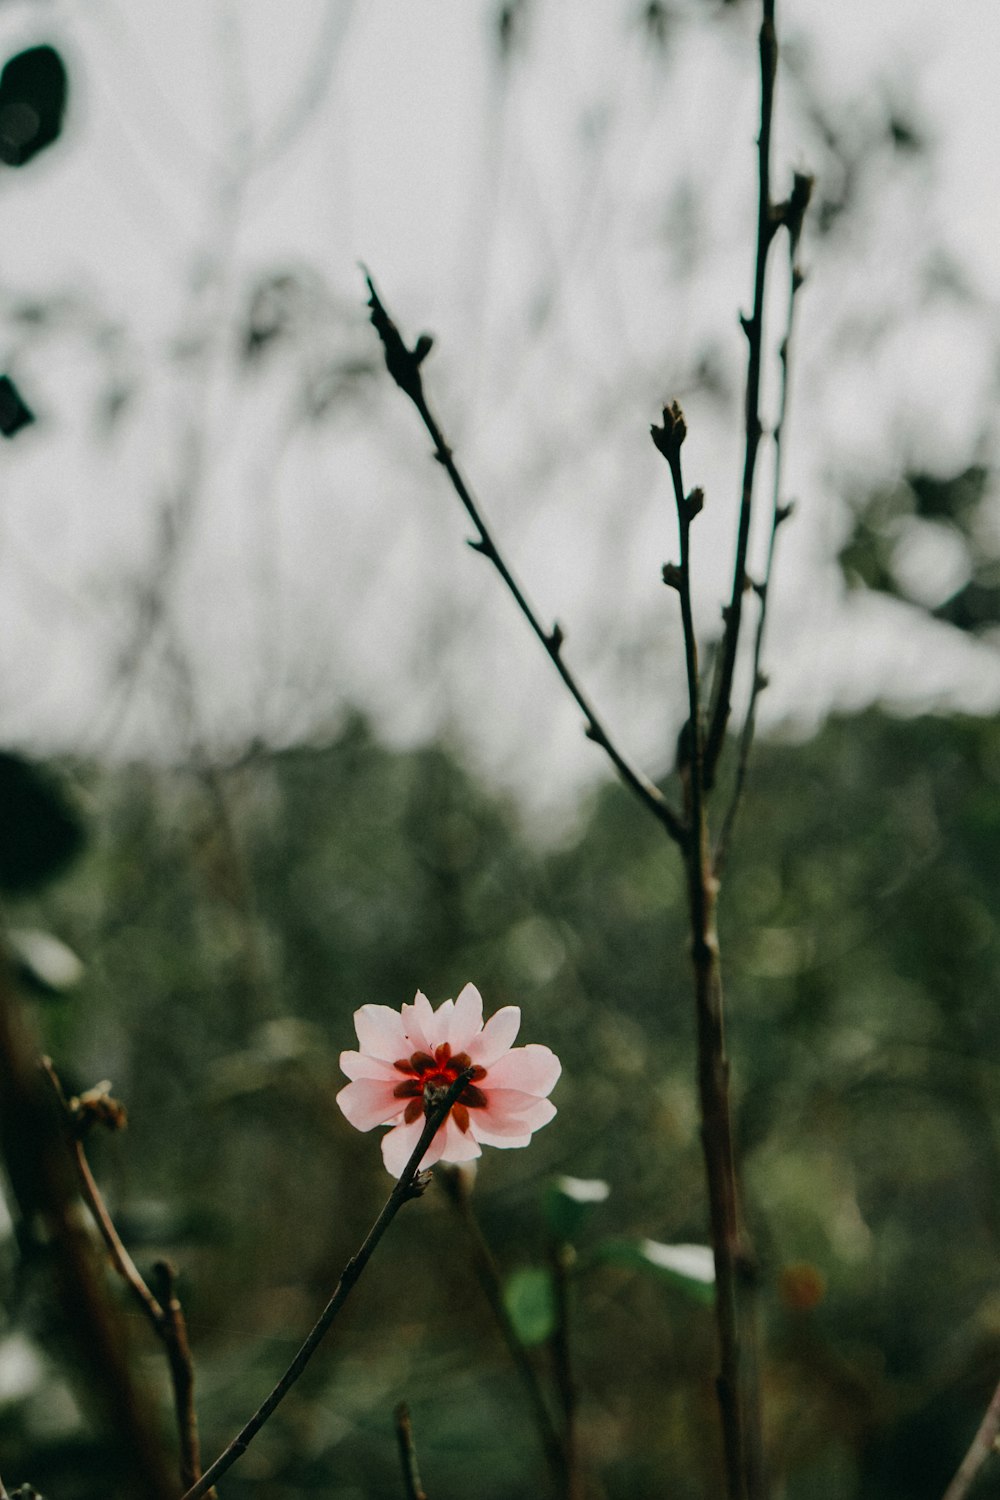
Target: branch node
{"points": [[672, 575], [695, 502], [782, 512], [556, 637], [670, 436]]}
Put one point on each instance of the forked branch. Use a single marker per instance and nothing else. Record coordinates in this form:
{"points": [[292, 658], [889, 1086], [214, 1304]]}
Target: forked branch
{"points": [[403, 365]]}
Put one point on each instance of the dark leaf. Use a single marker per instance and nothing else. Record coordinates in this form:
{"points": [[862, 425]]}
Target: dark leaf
{"points": [[40, 832], [14, 413], [32, 102]]}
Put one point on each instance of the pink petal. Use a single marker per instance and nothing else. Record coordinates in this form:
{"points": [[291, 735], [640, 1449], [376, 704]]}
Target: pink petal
{"points": [[369, 1102], [496, 1036], [466, 1021], [508, 1112], [533, 1069], [418, 1023], [504, 1141], [380, 1032], [458, 1145], [358, 1065], [400, 1143]]}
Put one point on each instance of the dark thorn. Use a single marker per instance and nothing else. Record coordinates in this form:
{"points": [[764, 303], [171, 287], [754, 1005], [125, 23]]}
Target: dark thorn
{"points": [[556, 637], [783, 512], [672, 575]]}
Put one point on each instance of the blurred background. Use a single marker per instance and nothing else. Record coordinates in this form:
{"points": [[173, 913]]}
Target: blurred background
{"points": [[313, 758]]}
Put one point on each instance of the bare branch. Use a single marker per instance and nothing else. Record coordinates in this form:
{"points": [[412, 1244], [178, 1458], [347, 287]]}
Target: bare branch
{"points": [[403, 365], [793, 213], [410, 1185], [408, 1454], [983, 1445], [753, 327]]}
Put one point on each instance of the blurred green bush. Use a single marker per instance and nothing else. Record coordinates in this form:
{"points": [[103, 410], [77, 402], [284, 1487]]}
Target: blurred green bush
{"points": [[231, 920]]}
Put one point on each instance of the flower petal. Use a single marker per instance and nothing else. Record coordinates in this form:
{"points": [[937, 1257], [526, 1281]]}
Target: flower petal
{"points": [[458, 1145], [496, 1037], [509, 1112], [533, 1069], [466, 1020], [400, 1143], [380, 1032], [418, 1023], [369, 1102], [359, 1065], [507, 1142]]}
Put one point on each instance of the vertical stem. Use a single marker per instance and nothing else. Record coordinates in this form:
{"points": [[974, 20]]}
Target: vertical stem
{"points": [[489, 1280], [408, 1454], [982, 1446], [561, 1260]]}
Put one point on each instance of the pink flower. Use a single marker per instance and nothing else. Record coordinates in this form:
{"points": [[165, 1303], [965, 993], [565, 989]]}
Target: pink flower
{"points": [[407, 1057]]}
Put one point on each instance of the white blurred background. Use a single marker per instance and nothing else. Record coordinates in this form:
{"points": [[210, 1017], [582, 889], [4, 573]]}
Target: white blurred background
{"points": [[225, 526]]}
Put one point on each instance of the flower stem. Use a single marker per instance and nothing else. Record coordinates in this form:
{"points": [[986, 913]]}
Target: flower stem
{"points": [[406, 1188], [408, 1454], [489, 1279]]}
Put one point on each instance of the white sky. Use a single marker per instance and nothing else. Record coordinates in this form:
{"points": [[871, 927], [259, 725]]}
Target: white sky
{"points": [[532, 219]]}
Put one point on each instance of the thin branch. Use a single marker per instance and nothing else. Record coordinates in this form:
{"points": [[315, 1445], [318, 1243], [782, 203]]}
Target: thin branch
{"points": [[3, 1493], [456, 1187], [410, 1185], [39, 1173], [753, 327], [403, 365], [983, 1445], [561, 1260], [166, 1318], [793, 213], [408, 1454], [738, 1400]]}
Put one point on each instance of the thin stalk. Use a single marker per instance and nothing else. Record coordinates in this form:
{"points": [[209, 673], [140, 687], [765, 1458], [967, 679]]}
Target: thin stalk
{"points": [[489, 1279], [561, 1260], [983, 1445], [792, 213], [739, 1413], [753, 327], [403, 365], [412, 1485], [409, 1186], [166, 1318]]}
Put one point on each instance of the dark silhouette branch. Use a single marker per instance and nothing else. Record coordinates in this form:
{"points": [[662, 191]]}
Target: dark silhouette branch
{"points": [[738, 1405], [410, 1185], [403, 365], [792, 215], [753, 327]]}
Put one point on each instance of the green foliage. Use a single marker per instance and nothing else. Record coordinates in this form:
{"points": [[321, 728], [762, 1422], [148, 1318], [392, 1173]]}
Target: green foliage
{"points": [[232, 921], [529, 1298], [688, 1268], [40, 831]]}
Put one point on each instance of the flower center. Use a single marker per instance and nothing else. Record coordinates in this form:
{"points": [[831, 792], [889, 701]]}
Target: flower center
{"points": [[429, 1077]]}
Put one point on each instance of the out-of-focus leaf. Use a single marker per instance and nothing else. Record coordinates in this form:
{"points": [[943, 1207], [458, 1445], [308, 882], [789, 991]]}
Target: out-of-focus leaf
{"points": [[568, 1200], [531, 1305], [32, 102], [40, 832], [951, 497], [14, 411], [43, 962], [974, 607], [689, 1268]]}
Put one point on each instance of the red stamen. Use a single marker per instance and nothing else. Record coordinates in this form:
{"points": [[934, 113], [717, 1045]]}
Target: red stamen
{"points": [[413, 1111], [410, 1088], [472, 1097], [421, 1061], [460, 1115], [403, 1066], [442, 1054]]}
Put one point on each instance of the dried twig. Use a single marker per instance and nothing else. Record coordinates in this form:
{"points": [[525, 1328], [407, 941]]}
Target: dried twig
{"points": [[455, 1185], [410, 1185], [983, 1445], [166, 1318], [39, 1173], [408, 1454], [403, 365]]}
